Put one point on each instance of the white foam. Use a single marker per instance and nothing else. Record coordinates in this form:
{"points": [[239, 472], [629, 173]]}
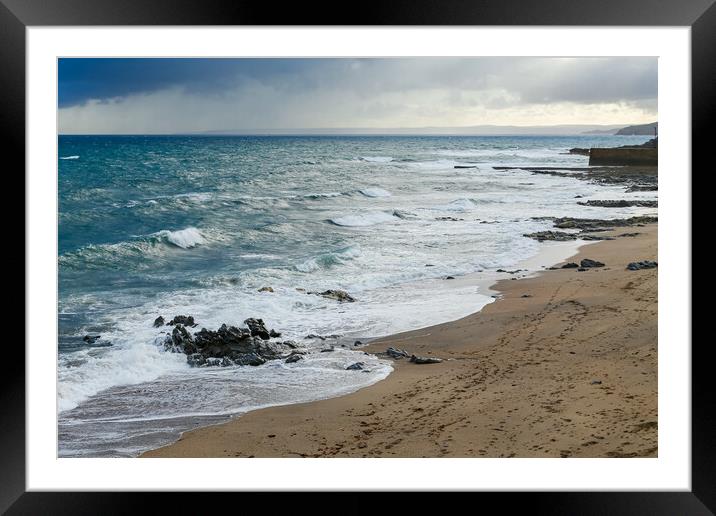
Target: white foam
{"points": [[184, 238], [69, 157], [364, 219], [377, 159], [375, 192], [457, 205], [125, 363]]}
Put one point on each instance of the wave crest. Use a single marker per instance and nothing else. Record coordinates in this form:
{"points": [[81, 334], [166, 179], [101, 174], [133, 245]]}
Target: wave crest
{"points": [[362, 219], [328, 260], [375, 192], [184, 238]]}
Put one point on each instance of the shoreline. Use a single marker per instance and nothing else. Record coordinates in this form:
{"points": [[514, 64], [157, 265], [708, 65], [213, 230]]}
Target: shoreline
{"points": [[570, 371]]}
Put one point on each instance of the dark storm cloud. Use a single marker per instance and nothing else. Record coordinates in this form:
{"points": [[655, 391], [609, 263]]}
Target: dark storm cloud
{"points": [[206, 94]]}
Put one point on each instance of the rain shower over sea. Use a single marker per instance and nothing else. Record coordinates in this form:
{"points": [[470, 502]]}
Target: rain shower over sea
{"points": [[197, 225]]}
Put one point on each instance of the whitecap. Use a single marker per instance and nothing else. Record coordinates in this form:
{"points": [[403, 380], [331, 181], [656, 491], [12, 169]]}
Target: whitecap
{"points": [[362, 219], [184, 238], [377, 159], [69, 157], [457, 205], [375, 192]]}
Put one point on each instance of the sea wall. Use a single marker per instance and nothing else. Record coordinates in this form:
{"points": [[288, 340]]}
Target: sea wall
{"points": [[624, 156]]}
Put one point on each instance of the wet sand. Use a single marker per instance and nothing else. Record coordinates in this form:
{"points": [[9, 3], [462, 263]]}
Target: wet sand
{"points": [[562, 365]]}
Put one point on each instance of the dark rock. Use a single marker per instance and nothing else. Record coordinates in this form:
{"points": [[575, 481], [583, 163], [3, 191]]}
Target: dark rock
{"points": [[595, 237], [451, 219], [274, 334], [591, 224], [91, 339], [257, 328], [397, 353], [338, 295], [293, 357], [227, 346], [159, 321], [629, 234], [577, 150], [526, 295], [292, 344], [465, 166], [266, 289], [180, 340], [596, 382], [646, 264], [321, 337], [357, 343], [587, 263], [184, 320], [620, 203], [559, 236], [570, 265], [429, 265], [251, 359], [642, 188], [425, 360], [327, 350], [449, 277], [356, 367], [578, 196], [582, 269]]}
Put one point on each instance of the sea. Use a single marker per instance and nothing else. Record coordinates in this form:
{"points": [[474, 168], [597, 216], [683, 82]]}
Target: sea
{"points": [[196, 225]]}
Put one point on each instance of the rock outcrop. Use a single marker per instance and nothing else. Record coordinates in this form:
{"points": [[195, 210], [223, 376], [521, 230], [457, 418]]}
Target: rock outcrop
{"points": [[646, 264], [228, 345]]}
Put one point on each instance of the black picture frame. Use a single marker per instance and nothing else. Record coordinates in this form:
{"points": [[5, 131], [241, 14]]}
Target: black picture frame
{"points": [[700, 15]]}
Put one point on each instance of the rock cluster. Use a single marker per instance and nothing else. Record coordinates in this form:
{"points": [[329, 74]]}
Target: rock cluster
{"points": [[620, 203], [228, 345], [588, 264], [646, 264]]}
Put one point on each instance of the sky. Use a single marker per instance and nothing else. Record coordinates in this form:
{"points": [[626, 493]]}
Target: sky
{"points": [[169, 96]]}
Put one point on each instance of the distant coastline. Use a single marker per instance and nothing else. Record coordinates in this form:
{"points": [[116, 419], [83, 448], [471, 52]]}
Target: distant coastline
{"points": [[479, 130]]}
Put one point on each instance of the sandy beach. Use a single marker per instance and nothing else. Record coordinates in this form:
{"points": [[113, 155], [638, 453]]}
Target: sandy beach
{"points": [[563, 364]]}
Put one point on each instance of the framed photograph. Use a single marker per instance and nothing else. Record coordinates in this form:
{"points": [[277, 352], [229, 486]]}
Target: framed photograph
{"points": [[446, 247]]}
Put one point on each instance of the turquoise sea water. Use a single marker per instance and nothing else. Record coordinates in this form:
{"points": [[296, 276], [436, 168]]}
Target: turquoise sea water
{"points": [[174, 225]]}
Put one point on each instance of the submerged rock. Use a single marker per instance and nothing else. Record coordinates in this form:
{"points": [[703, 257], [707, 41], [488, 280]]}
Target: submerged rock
{"points": [[642, 188], [646, 264], [91, 339], [338, 295], [293, 357], [356, 367], [321, 337], [266, 289]]}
